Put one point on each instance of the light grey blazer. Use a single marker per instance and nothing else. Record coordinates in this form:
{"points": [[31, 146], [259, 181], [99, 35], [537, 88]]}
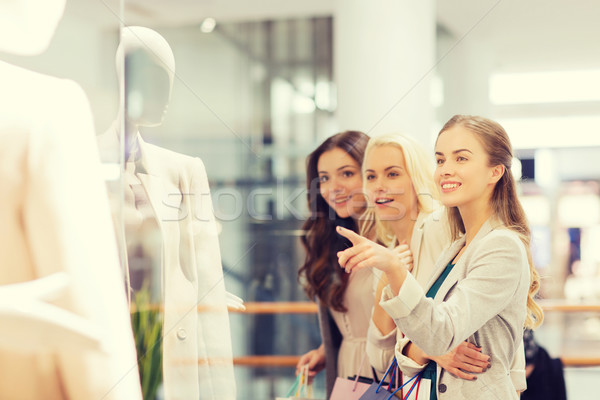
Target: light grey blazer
{"points": [[483, 300]]}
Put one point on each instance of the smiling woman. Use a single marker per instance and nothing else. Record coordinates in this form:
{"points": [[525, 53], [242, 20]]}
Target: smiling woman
{"points": [[390, 185], [397, 173], [460, 158], [340, 181], [335, 199]]}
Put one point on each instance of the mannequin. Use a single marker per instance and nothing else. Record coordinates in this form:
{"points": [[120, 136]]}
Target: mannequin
{"points": [[197, 357], [30, 324], [65, 323]]}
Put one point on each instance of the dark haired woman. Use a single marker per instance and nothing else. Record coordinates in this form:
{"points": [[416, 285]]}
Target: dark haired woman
{"points": [[334, 181]]}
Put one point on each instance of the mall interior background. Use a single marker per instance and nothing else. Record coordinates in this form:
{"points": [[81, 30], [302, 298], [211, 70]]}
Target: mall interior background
{"points": [[260, 83]]}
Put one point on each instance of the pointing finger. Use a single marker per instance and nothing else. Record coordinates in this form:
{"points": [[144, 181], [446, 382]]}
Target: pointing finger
{"points": [[350, 235]]}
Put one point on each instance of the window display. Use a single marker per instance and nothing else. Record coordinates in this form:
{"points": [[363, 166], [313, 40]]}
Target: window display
{"points": [[169, 228], [56, 226]]}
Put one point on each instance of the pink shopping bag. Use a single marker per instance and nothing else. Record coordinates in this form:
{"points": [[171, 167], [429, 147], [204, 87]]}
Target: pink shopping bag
{"points": [[346, 389]]}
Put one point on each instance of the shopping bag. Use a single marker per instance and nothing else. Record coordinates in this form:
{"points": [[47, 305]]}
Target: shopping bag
{"points": [[301, 389], [375, 391], [419, 389], [422, 391], [350, 389], [346, 389]]}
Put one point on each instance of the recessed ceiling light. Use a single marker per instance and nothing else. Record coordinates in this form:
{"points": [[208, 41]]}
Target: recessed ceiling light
{"points": [[208, 25]]}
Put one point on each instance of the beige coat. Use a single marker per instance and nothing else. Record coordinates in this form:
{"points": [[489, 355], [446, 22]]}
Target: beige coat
{"points": [[483, 300], [197, 341], [55, 218]]}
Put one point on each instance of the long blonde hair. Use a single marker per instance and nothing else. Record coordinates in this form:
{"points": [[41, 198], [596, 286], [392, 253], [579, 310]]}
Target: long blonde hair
{"points": [[419, 166], [505, 202]]}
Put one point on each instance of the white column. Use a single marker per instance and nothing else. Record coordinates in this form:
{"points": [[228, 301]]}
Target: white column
{"points": [[465, 68], [383, 59]]}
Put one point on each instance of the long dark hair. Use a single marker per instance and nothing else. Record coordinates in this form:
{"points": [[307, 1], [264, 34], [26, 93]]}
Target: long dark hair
{"points": [[505, 203], [321, 275]]}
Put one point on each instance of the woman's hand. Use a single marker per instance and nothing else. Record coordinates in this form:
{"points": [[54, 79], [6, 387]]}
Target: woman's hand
{"points": [[365, 253], [406, 257], [381, 319], [315, 360], [465, 358]]}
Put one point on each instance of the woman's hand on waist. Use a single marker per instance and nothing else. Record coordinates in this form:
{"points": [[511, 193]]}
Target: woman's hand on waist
{"points": [[464, 361]]}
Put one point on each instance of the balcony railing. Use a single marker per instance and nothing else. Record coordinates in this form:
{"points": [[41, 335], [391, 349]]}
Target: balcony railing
{"points": [[311, 308]]}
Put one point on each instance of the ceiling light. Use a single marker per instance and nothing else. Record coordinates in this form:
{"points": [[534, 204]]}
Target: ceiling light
{"points": [[208, 25]]}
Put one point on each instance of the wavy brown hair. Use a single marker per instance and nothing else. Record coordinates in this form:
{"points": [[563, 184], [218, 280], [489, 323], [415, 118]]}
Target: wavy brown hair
{"points": [[321, 274], [505, 203]]}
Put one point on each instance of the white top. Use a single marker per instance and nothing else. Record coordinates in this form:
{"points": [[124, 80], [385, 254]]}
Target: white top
{"points": [[431, 235], [354, 323]]}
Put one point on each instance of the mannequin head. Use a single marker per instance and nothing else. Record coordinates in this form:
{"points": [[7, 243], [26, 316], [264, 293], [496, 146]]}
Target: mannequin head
{"points": [[149, 69], [27, 26]]}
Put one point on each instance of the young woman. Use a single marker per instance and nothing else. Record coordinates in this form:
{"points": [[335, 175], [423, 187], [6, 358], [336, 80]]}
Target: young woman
{"points": [[483, 287], [398, 182], [345, 300]]}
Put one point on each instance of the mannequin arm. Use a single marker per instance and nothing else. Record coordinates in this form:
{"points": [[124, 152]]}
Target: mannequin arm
{"points": [[31, 325], [234, 302]]}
